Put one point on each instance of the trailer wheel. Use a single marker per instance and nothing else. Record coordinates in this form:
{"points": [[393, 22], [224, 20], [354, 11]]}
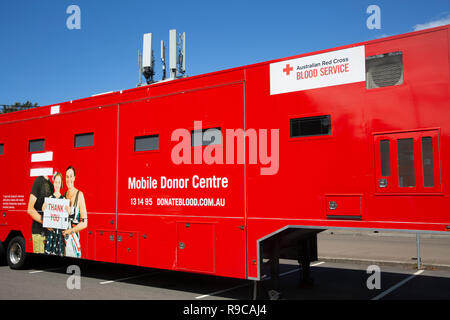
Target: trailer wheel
{"points": [[2, 254], [16, 256]]}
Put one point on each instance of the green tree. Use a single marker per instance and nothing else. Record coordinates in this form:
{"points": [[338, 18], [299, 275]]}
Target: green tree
{"points": [[17, 106]]}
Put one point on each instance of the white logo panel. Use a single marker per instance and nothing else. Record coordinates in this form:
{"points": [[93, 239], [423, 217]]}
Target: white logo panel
{"points": [[318, 71]]}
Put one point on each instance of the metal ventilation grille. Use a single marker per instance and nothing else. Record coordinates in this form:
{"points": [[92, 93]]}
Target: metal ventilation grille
{"points": [[384, 70]]}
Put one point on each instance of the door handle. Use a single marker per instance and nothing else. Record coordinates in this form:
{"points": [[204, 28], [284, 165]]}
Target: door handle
{"points": [[382, 183], [332, 205]]}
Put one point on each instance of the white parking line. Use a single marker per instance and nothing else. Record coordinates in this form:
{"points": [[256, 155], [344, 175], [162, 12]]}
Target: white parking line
{"points": [[291, 271], [220, 291], [378, 297], [133, 277], [247, 284], [45, 270]]}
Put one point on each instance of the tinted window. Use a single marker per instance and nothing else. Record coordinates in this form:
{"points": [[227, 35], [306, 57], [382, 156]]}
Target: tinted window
{"points": [[84, 140], [206, 137], [1, 148], [146, 143], [385, 155], [427, 162], [311, 126], [405, 152], [36, 145]]}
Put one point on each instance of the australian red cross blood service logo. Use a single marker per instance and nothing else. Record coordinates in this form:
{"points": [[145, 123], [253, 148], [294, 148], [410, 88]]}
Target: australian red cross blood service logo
{"points": [[317, 71]]}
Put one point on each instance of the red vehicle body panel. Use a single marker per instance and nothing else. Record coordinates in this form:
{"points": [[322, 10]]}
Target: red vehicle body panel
{"points": [[342, 167]]}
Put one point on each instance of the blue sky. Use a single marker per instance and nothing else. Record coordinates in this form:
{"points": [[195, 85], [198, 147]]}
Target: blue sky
{"points": [[41, 60]]}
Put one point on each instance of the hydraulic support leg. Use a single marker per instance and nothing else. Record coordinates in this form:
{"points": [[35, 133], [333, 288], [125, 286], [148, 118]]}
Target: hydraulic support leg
{"points": [[274, 293], [304, 260]]}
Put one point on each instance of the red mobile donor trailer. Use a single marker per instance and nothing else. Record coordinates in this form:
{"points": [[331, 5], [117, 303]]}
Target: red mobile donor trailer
{"points": [[358, 137]]}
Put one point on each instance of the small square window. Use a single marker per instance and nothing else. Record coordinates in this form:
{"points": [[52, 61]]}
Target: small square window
{"points": [[146, 143], [84, 140], [311, 126], [36, 145], [206, 137]]}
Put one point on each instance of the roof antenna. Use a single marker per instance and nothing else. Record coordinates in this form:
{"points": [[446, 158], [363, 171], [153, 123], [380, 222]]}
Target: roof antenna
{"points": [[163, 59], [177, 53], [173, 53], [147, 58], [182, 54], [140, 68]]}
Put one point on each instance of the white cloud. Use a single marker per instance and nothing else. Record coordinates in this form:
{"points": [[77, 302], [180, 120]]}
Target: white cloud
{"points": [[432, 24], [384, 35]]}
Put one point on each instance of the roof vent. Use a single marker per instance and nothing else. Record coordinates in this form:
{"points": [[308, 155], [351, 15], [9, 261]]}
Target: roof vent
{"points": [[384, 70]]}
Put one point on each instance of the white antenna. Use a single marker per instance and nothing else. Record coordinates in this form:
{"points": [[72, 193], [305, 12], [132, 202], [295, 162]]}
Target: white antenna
{"points": [[147, 58], [140, 69], [173, 53], [177, 57], [182, 54], [163, 59]]}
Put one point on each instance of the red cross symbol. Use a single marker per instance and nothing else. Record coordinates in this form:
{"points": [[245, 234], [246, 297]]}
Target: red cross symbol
{"points": [[288, 69]]}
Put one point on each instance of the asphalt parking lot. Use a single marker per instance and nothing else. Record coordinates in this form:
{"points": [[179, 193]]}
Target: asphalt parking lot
{"points": [[48, 279]]}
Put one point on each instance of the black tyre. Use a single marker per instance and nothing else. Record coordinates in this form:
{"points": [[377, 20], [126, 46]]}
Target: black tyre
{"points": [[2, 254], [16, 256]]}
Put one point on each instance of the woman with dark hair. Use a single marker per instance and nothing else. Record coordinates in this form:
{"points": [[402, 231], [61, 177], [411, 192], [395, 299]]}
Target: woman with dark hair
{"points": [[77, 216]]}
